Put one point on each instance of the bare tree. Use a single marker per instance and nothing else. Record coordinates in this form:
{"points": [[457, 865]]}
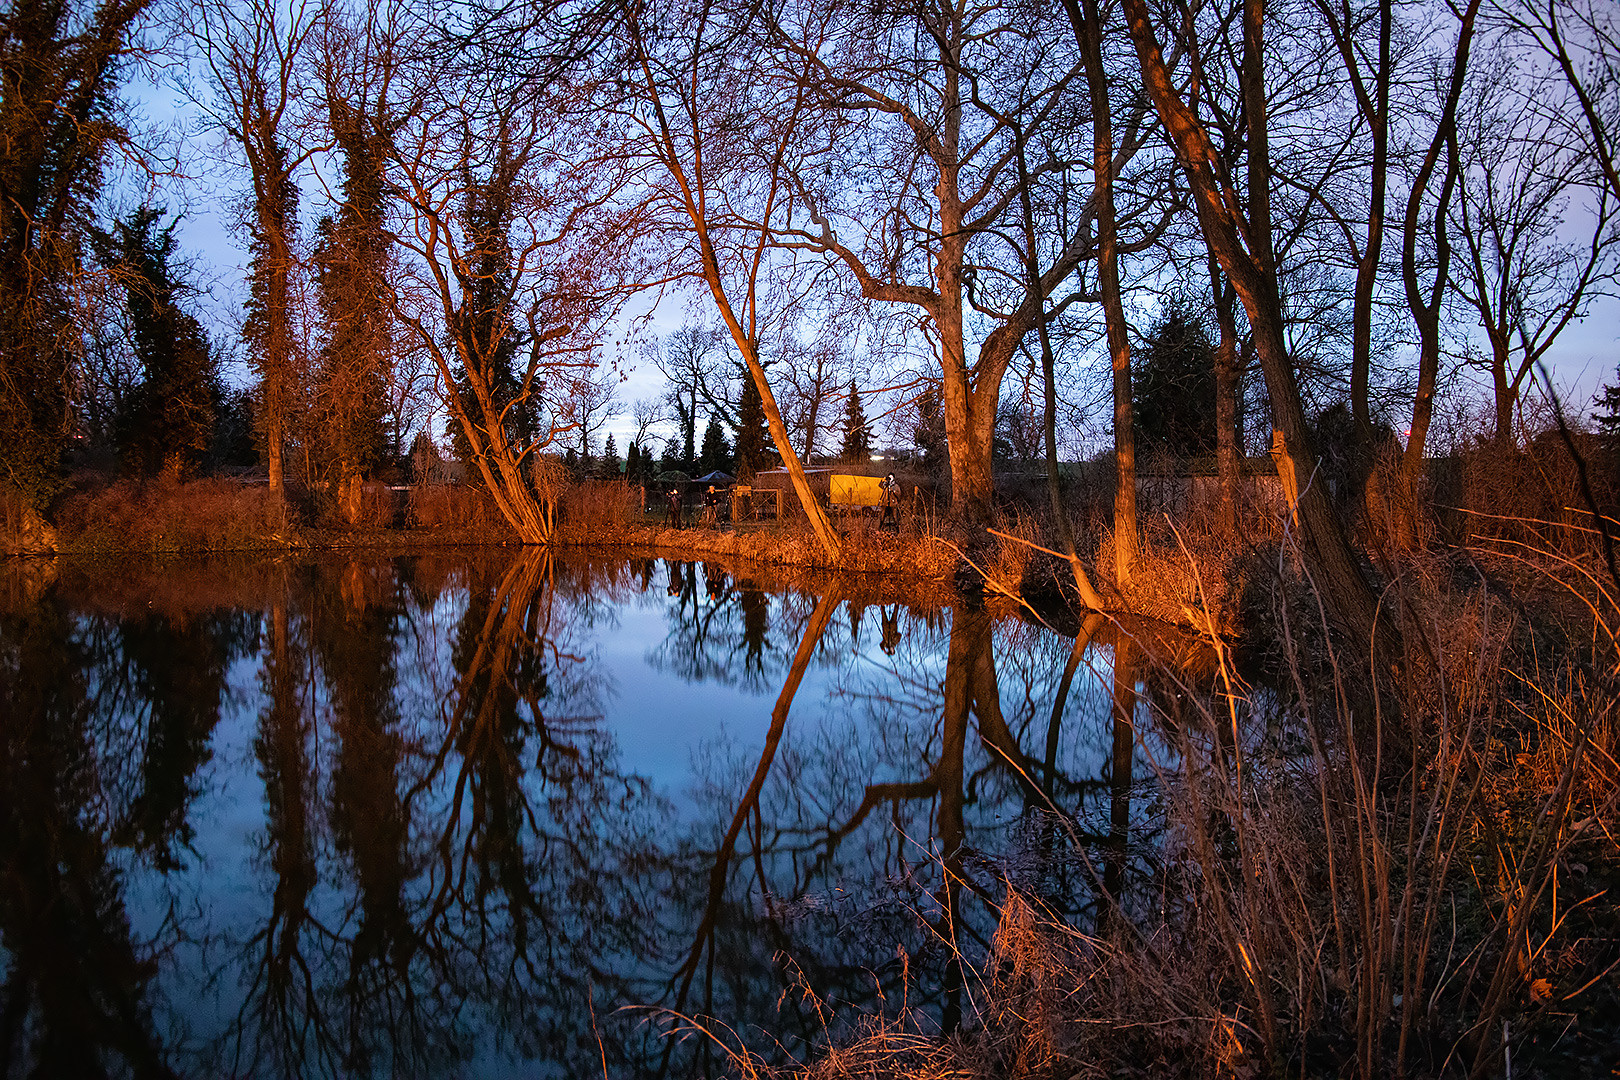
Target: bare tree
{"points": [[1443, 162], [517, 249], [646, 414], [1238, 231], [1086, 22], [1581, 37], [692, 358], [1522, 193], [1370, 78], [811, 373], [590, 403], [253, 52], [914, 193], [723, 179]]}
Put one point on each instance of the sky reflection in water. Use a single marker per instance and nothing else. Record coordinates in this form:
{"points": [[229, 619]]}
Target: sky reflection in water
{"points": [[456, 814]]}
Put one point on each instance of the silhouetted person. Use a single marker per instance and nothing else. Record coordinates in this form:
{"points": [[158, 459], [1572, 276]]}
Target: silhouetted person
{"points": [[891, 629]]}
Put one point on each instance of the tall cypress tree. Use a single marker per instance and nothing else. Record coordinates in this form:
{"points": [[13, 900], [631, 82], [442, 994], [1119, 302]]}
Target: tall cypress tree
{"points": [[1173, 386], [609, 467], [715, 454]]}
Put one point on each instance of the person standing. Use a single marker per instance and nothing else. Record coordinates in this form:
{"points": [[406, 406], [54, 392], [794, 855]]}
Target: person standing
{"points": [[891, 491]]}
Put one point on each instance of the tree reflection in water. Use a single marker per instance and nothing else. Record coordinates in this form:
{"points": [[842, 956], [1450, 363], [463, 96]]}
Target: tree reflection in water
{"points": [[76, 997], [453, 871]]}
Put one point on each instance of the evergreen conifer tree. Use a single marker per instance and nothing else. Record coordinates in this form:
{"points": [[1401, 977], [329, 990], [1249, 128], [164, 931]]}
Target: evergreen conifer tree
{"points": [[1173, 387], [715, 454], [857, 448], [632, 464], [168, 421], [671, 460], [753, 440], [609, 467], [59, 112], [1607, 404]]}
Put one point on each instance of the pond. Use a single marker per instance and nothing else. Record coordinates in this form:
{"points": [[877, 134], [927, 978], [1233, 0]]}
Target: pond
{"points": [[497, 814]]}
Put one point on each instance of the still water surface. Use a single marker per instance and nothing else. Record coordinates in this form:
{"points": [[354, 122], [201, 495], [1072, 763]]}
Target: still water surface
{"points": [[499, 815]]}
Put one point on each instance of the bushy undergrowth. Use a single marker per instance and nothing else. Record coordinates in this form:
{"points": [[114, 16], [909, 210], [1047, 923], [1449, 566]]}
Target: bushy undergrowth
{"points": [[1535, 493], [165, 515], [593, 510], [451, 506]]}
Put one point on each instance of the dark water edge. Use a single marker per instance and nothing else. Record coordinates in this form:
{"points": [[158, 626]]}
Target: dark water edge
{"points": [[491, 813]]}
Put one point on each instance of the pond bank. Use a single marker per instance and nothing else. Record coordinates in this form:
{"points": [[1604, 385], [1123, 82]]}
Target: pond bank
{"points": [[1194, 584]]}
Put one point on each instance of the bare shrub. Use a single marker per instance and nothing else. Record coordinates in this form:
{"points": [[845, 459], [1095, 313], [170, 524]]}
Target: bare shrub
{"points": [[1531, 494], [595, 510], [163, 515], [450, 506], [378, 508]]}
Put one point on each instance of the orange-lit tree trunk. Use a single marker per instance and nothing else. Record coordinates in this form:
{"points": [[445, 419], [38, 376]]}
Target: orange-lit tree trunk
{"points": [[253, 51], [1087, 23], [734, 242], [1238, 232]]}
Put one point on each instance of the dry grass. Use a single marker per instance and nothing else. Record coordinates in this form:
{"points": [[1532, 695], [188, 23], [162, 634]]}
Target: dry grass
{"points": [[163, 515], [1416, 878], [451, 506], [594, 508], [866, 548]]}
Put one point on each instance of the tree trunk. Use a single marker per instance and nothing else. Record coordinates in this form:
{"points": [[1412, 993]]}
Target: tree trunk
{"points": [[279, 375], [1375, 110], [1243, 248], [1426, 313], [746, 345], [1060, 513], [1505, 394], [1226, 397], [1119, 344]]}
